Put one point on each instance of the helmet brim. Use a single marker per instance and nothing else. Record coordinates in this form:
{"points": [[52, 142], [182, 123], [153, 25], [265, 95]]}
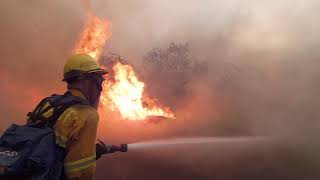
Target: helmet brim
{"points": [[77, 73], [99, 71]]}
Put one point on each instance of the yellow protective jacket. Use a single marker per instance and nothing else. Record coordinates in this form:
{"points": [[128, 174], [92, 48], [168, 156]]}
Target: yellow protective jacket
{"points": [[76, 131]]}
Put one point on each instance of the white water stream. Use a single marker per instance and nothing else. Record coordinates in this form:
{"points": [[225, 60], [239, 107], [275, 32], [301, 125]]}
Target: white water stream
{"points": [[194, 140]]}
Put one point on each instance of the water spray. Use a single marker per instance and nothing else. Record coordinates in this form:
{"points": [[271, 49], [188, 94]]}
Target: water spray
{"points": [[194, 140], [106, 149]]}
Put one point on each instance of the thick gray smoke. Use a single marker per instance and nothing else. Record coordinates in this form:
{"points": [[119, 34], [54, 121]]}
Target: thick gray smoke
{"points": [[261, 56], [262, 59]]}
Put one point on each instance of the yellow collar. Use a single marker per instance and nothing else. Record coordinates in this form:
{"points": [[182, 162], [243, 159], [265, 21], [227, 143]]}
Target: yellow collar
{"points": [[77, 93]]}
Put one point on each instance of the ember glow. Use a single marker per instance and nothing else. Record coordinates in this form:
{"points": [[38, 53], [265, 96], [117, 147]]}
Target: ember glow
{"points": [[94, 37], [124, 92]]}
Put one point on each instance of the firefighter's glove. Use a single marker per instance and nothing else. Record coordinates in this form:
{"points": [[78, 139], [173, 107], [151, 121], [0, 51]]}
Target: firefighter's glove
{"points": [[101, 148]]}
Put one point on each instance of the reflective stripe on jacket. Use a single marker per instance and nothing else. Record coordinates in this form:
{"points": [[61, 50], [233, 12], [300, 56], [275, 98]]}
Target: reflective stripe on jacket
{"points": [[76, 131]]}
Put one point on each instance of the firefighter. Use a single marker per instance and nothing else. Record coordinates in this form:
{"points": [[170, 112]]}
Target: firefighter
{"points": [[76, 128]]}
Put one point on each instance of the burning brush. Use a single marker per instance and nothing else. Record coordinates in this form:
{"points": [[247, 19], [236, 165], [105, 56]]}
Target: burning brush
{"points": [[123, 90]]}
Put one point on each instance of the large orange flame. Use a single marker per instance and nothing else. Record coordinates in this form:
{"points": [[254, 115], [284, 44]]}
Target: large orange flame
{"points": [[125, 93], [94, 37]]}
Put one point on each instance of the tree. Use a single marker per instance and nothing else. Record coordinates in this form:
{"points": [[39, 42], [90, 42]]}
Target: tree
{"points": [[168, 72]]}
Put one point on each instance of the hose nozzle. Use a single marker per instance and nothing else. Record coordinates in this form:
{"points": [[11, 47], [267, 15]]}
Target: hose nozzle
{"points": [[123, 148], [102, 148]]}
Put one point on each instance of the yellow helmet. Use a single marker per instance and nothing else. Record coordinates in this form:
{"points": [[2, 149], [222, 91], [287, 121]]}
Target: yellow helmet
{"points": [[80, 64]]}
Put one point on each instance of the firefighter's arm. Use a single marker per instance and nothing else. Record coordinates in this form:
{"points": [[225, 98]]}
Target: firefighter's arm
{"points": [[80, 161]]}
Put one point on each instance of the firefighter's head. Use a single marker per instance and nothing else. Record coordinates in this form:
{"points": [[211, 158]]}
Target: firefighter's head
{"points": [[82, 72]]}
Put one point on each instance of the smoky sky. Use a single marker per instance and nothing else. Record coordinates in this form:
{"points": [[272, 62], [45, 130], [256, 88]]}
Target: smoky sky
{"points": [[262, 56], [36, 38]]}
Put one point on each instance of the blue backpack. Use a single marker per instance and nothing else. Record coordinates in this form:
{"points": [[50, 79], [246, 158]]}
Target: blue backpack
{"points": [[29, 151]]}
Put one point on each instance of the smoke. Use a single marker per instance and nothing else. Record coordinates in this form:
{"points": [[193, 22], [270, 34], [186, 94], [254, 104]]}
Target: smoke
{"points": [[36, 38], [262, 59], [261, 56]]}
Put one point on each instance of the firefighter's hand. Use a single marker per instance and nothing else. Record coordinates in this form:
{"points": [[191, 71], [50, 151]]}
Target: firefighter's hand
{"points": [[101, 148]]}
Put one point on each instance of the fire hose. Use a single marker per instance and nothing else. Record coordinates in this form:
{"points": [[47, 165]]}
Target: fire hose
{"points": [[102, 148]]}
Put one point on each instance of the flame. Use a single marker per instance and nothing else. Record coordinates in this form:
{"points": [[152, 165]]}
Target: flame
{"points": [[126, 94], [94, 37]]}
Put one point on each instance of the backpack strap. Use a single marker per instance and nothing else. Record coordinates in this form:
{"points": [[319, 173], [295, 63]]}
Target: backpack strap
{"points": [[33, 116], [59, 103], [63, 104]]}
